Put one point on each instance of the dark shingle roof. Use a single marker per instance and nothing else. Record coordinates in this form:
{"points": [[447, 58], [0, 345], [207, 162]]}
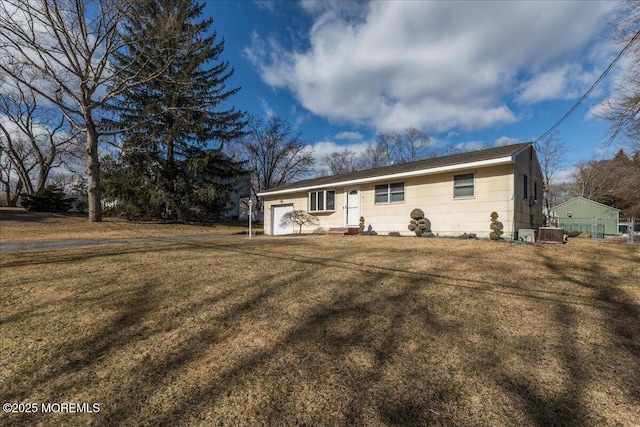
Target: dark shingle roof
{"points": [[454, 159]]}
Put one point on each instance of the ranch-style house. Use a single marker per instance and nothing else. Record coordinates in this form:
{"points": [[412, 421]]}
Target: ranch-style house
{"points": [[457, 193]]}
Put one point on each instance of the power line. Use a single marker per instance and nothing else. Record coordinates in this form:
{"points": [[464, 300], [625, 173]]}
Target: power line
{"points": [[593, 86]]}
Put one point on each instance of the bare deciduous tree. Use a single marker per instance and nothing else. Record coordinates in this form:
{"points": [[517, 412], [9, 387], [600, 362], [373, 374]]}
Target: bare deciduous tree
{"points": [[409, 146], [61, 50], [12, 185], [623, 108], [374, 156], [299, 218], [274, 152], [613, 182], [551, 152], [35, 138], [341, 162]]}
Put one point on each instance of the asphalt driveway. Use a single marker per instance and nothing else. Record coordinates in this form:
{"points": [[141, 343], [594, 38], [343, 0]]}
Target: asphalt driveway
{"points": [[78, 243]]}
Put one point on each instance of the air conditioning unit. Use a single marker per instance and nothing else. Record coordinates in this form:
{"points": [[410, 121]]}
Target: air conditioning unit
{"points": [[550, 235], [527, 235]]}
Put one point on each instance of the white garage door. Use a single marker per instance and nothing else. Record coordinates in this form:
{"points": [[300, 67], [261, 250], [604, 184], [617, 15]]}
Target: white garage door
{"points": [[276, 214]]}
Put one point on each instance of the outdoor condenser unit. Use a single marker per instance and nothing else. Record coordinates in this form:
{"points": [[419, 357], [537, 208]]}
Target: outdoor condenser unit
{"points": [[551, 235]]}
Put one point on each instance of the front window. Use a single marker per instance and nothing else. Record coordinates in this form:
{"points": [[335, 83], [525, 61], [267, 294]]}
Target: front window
{"points": [[463, 186], [389, 193], [322, 201]]}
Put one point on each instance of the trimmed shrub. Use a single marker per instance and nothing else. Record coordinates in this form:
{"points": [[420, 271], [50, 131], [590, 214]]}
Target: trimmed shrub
{"points": [[361, 225], [418, 223], [417, 214], [496, 227]]}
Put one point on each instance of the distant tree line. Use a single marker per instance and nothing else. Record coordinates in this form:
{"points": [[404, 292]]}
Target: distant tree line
{"points": [[613, 182]]}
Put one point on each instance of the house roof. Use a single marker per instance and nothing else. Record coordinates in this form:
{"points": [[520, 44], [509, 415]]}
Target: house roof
{"points": [[585, 199], [471, 159]]}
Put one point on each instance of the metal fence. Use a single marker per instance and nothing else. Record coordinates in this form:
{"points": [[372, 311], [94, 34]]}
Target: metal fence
{"points": [[595, 227]]}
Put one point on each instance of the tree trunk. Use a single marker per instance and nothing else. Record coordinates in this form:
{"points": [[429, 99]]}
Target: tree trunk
{"points": [[93, 174], [13, 201]]}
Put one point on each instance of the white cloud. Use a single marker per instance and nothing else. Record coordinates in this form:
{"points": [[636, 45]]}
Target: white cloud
{"points": [[349, 135], [505, 140], [268, 111], [469, 146], [564, 82], [564, 175], [324, 148], [436, 66]]}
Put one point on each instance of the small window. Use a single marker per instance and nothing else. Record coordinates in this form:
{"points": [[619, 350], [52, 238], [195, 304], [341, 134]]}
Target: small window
{"points": [[535, 191], [526, 187], [389, 193], [463, 186], [322, 201]]}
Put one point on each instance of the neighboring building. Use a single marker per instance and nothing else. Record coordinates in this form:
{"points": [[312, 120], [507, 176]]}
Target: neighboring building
{"points": [[457, 194], [586, 216], [236, 207]]}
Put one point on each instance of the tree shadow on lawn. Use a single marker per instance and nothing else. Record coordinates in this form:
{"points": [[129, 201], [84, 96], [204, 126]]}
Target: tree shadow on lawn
{"points": [[388, 349], [582, 362], [311, 338]]}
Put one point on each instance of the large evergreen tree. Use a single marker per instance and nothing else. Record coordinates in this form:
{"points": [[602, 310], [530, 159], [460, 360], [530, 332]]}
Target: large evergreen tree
{"points": [[169, 123]]}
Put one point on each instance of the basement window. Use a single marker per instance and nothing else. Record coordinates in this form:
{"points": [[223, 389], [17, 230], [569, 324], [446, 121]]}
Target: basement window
{"points": [[463, 186], [322, 201]]}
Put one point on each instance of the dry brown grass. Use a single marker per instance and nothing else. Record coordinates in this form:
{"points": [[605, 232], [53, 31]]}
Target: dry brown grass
{"points": [[18, 225], [325, 331]]}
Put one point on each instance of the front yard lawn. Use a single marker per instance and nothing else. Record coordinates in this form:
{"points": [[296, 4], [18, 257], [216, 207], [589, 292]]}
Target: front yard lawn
{"points": [[324, 331]]}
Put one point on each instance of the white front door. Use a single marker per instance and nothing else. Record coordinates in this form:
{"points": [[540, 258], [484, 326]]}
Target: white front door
{"points": [[352, 196], [277, 212]]}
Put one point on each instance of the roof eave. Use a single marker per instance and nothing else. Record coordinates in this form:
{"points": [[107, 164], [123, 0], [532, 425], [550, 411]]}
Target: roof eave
{"points": [[420, 172]]}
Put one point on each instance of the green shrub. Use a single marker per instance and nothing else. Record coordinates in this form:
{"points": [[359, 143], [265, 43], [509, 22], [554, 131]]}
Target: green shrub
{"points": [[412, 227], [361, 225], [496, 227], [51, 199]]}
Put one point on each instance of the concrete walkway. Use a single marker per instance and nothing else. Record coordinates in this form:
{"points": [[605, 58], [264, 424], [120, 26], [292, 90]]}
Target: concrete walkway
{"points": [[78, 243]]}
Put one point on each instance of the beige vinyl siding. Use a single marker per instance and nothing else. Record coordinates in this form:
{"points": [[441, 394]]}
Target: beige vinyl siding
{"points": [[300, 201], [493, 188], [434, 195]]}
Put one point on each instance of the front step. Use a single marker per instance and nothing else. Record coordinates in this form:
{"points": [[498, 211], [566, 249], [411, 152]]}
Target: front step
{"points": [[341, 231]]}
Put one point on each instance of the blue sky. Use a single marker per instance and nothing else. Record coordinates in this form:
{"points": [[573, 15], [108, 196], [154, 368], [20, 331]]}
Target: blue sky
{"points": [[470, 74]]}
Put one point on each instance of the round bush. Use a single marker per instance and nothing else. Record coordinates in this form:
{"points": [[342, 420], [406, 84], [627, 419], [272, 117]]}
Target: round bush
{"points": [[417, 214], [412, 227], [413, 221], [421, 221], [422, 227]]}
